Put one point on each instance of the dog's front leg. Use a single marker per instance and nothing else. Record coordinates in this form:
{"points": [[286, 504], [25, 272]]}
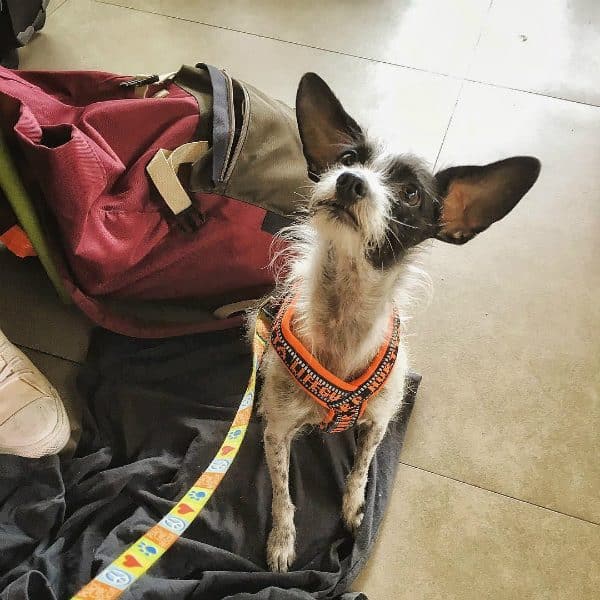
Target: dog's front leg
{"points": [[370, 435], [280, 546]]}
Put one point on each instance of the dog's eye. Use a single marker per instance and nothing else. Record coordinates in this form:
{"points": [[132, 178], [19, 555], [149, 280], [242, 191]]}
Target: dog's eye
{"points": [[348, 158], [412, 196]]}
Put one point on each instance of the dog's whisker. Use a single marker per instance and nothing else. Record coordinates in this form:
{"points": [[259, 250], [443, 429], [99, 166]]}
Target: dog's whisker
{"points": [[403, 224], [390, 230], [391, 246]]}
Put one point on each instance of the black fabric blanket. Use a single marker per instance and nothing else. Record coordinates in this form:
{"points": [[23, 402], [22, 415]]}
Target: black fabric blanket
{"points": [[156, 413]]}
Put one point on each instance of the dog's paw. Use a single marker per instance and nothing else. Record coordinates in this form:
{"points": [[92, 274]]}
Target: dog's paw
{"points": [[280, 549], [353, 510]]}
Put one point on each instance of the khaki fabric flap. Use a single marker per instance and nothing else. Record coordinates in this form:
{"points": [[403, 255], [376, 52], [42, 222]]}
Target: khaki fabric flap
{"points": [[163, 168], [268, 168], [265, 165]]}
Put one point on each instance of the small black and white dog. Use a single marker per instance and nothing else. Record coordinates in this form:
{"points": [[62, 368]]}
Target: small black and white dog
{"points": [[367, 213]]}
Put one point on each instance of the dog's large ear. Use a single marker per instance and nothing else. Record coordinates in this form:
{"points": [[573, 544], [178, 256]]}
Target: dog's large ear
{"points": [[325, 127], [472, 198]]}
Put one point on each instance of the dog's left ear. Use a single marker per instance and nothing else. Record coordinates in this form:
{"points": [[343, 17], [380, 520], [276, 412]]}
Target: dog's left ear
{"points": [[325, 127], [475, 197]]}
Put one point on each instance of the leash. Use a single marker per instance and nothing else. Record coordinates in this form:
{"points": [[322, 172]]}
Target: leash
{"points": [[112, 581]]}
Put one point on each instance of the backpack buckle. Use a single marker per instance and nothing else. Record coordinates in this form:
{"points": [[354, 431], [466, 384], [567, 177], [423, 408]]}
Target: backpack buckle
{"points": [[189, 220]]}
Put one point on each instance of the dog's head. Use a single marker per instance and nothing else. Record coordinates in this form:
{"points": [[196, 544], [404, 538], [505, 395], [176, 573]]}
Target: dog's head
{"points": [[382, 205]]}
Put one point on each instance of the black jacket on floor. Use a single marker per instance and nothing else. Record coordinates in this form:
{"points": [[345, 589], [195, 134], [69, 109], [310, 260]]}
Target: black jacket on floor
{"points": [[156, 413]]}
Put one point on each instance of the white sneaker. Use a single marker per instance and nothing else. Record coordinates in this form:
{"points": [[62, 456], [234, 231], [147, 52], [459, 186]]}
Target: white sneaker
{"points": [[33, 420]]}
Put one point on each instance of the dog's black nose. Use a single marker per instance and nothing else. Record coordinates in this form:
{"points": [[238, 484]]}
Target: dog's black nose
{"points": [[350, 187]]}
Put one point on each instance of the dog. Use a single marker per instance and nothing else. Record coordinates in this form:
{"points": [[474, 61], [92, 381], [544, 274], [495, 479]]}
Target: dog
{"points": [[338, 318]]}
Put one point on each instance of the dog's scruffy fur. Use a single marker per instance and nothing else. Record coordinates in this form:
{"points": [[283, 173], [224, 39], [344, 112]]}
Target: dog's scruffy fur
{"points": [[367, 213]]}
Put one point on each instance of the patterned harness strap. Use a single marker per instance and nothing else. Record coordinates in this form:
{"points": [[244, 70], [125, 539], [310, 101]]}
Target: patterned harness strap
{"points": [[119, 575], [345, 401]]}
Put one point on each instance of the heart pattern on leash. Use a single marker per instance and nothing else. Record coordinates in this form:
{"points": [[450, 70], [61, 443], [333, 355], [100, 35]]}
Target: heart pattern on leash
{"points": [[131, 561], [184, 509]]}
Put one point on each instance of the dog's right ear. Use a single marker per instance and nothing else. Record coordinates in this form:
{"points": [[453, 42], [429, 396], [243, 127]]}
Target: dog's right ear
{"points": [[326, 129]]}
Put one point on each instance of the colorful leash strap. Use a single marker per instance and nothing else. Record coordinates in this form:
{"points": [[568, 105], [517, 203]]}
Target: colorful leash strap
{"points": [[112, 581]]}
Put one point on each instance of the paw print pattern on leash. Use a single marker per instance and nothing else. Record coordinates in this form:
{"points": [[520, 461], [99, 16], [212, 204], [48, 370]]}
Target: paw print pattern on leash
{"points": [[146, 549], [197, 495], [234, 434]]}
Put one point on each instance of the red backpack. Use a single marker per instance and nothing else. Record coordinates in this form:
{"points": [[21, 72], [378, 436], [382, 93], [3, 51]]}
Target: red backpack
{"points": [[160, 195]]}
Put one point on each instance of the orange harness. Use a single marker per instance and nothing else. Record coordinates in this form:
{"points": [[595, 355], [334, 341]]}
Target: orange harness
{"points": [[345, 401]]}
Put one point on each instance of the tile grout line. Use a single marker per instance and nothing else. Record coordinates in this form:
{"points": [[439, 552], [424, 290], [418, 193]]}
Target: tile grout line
{"points": [[498, 493], [339, 52], [276, 39], [437, 157], [532, 92], [55, 7], [57, 356], [462, 83], [484, 23]]}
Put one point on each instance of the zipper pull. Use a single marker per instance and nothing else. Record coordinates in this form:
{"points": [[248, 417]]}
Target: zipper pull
{"points": [[141, 80]]}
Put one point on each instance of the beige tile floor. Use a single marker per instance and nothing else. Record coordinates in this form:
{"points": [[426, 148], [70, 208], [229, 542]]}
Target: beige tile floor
{"points": [[498, 493]]}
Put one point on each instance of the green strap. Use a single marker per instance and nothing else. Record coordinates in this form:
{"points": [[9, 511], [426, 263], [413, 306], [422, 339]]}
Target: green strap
{"points": [[25, 211]]}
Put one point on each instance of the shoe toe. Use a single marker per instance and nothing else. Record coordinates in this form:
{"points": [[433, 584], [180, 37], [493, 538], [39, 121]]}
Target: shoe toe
{"points": [[33, 419], [39, 428]]}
